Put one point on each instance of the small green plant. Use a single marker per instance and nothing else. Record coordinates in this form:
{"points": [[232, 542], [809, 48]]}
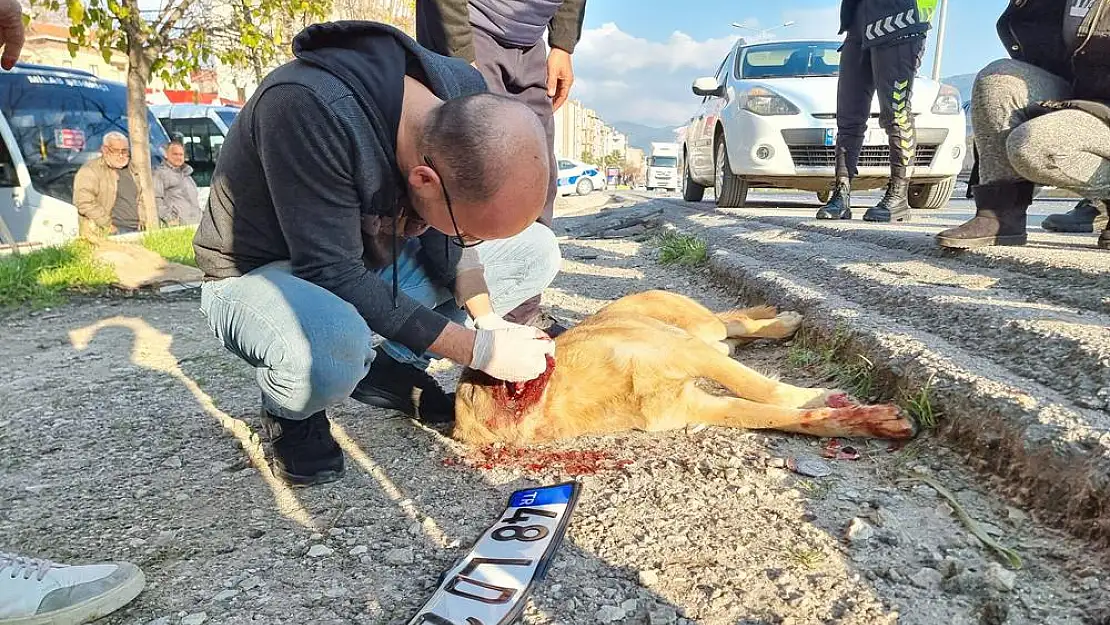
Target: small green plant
{"points": [[38, 278], [681, 249], [173, 244], [800, 356], [919, 405], [816, 490], [806, 557], [857, 377]]}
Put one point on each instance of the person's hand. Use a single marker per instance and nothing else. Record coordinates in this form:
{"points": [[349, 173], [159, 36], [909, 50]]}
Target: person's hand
{"points": [[512, 354], [11, 32], [560, 76], [493, 321]]}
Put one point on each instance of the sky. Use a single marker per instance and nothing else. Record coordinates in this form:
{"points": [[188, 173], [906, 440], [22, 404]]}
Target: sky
{"points": [[637, 58]]}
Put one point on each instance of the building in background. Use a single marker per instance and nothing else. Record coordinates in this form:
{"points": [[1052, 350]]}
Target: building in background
{"points": [[46, 44], [582, 135]]}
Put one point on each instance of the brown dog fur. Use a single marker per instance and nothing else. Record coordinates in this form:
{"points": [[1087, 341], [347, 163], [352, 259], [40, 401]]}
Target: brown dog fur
{"points": [[643, 361]]}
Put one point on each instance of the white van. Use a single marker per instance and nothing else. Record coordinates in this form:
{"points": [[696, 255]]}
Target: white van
{"points": [[202, 128], [54, 119]]}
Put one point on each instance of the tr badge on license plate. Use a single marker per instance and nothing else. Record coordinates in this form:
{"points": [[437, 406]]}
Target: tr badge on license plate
{"points": [[488, 586]]}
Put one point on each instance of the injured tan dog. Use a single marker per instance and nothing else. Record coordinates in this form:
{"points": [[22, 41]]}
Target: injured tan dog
{"points": [[651, 361]]}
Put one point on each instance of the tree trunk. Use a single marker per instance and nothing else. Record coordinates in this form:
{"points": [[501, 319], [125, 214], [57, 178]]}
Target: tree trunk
{"points": [[138, 128]]}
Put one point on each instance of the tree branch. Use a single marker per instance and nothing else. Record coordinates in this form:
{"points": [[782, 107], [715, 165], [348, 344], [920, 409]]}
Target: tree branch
{"points": [[170, 16]]}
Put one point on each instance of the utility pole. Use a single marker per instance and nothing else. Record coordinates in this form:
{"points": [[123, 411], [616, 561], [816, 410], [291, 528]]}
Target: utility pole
{"points": [[942, 21]]}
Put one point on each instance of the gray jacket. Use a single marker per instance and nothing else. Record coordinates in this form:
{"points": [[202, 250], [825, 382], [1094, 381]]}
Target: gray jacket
{"points": [[175, 195]]}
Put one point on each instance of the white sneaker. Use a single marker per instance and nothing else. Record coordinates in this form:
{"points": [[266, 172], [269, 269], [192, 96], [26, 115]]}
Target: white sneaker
{"points": [[40, 592]]}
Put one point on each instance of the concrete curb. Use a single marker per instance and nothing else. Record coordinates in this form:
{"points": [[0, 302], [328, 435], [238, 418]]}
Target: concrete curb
{"points": [[1040, 444]]}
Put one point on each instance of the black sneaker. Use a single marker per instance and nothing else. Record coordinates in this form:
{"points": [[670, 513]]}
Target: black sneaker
{"points": [[303, 452], [396, 386]]}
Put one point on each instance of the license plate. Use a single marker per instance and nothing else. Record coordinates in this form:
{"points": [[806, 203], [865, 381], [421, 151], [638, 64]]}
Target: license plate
{"points": [[830, 137], [488, 586], [875, 136]]}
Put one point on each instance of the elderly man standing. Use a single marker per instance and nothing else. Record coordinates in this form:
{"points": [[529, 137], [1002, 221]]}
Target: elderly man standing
{"points": [[175, 191], [107, 191], [370, 188], [502, 38]]}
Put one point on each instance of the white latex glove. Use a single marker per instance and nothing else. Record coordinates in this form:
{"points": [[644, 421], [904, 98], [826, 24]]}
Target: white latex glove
{"points": [[516, 354], [493, 321]]}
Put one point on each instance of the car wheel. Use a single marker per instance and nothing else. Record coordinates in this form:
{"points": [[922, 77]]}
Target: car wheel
{"points": [[584, 186], [932, 196], [691, 191], [731, 190]]}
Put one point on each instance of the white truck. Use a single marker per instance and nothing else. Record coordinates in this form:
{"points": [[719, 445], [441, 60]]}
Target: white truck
{"points": [[662, 167]]}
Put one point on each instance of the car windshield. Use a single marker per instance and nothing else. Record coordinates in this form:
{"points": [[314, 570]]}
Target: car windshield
{"points": [[60, 121], [664, 161], [789, 60], [227, 117]]}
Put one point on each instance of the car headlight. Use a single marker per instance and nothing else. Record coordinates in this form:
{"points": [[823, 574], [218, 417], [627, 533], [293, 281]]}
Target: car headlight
{"points": [[947, 102], [763, 101]]}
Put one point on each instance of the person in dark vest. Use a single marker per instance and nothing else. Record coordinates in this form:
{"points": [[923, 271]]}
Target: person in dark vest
{"points": [[881, 54], [1042, 117], [372, 191], [503, 39]]}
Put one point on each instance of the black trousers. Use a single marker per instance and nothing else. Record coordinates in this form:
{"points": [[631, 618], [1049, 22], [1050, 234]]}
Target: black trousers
{"points": [[520, 73], [889, 71]]}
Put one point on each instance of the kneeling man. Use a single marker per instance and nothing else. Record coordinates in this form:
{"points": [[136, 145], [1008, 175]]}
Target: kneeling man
{"points": [[371, 191]]}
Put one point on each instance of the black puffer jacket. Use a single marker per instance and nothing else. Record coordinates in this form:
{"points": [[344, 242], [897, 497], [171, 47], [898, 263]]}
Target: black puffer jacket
{"points": [[883, 21], [1032, 31]]}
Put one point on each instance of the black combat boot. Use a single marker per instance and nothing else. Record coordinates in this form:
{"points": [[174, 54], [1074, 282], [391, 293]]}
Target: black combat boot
{"points": [[999, 217], [302, 451], [839, 205], [402, 387], [1086, 216], [895, 204]]}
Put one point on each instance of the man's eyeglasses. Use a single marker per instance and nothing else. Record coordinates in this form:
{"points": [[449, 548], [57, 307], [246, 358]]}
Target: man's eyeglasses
{"points": [[462, 240]]}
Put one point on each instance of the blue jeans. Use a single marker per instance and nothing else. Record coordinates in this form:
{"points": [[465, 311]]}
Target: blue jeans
{"points": [[311, 350]]}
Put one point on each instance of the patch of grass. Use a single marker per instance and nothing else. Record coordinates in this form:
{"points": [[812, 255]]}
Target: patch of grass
{"points": [[815, 489], [173, 244], [40, 277], [919, 405], [804, 556], [857, 377], [681, 249]]}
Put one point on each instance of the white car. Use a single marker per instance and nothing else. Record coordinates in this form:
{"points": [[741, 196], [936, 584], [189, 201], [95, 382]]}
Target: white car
{"points": [[578, 177], [768, 119]]}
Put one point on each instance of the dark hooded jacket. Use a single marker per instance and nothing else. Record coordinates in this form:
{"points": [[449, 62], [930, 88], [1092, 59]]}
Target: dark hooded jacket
{"points": [[312, 157], [1032, 32], [881, 22]]}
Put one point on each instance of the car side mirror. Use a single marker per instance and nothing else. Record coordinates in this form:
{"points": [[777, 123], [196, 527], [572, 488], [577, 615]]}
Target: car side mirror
{"points": [[707, 86]]}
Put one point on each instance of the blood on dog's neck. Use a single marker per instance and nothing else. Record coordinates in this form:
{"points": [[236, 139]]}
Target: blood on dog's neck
{"points": [[513, 399]]}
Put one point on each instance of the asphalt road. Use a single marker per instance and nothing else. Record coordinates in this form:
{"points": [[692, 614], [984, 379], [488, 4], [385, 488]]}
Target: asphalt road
{"points": [[804, 204]]}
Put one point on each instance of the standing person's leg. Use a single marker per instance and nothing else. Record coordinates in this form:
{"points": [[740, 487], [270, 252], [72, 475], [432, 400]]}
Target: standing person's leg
{"points": [[522, 74], [854, 90], [1000, 101], [40, 591], [894, 67]]}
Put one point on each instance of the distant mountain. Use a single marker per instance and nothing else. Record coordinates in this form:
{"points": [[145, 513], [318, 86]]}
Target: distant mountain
{"points": [[963, 83], [641, 136]]}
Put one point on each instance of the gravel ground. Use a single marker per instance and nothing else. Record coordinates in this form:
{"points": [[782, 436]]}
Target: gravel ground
{"points": [[127, 433], [1016, 340]]}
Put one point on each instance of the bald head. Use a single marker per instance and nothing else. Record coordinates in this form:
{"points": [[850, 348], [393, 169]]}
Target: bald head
{"points": [[491, 153]]}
